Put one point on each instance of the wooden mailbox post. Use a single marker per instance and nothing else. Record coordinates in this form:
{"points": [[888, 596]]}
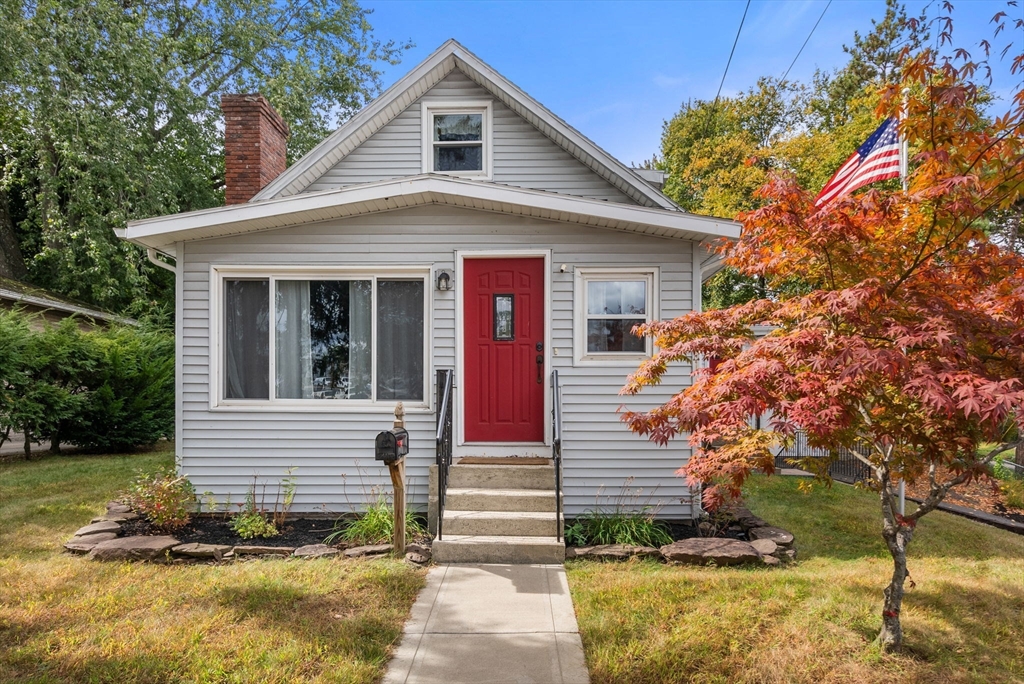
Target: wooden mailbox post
{"points": [[397, 470]]}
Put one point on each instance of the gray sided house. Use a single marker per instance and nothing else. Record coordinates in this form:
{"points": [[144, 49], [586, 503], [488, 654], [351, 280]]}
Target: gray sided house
{"points": [[454, 224]]}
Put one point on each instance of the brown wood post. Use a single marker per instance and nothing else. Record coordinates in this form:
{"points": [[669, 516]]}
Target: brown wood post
{"points": [[397, 471]]}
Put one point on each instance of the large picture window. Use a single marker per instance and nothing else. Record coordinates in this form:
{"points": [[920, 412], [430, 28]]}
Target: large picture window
{"points": [[358, 338], [610, 304]]}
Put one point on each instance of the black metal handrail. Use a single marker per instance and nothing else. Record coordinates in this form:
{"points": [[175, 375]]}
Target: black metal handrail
{"points": [[556, 447], [445, 387]]}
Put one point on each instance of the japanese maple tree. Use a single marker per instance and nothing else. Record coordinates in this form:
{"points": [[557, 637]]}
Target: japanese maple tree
{"points": [[912, 340]]}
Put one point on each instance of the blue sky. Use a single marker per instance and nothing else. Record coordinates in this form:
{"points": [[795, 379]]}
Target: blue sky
{"points": [[617, 70]]}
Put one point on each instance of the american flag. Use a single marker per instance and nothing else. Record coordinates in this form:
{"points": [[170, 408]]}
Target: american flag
{"points": [[877, 159]]}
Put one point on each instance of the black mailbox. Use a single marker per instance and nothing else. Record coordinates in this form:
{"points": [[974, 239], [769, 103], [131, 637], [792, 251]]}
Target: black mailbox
{"points": [[391, 445]]}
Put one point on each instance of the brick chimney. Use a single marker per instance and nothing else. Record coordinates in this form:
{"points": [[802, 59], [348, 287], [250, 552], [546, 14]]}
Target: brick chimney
{"points": [[255, 144]]}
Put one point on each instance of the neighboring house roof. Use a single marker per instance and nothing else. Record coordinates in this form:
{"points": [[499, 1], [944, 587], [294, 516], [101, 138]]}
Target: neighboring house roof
{"points": [[450, 56], [163, 232], [21, 293]]}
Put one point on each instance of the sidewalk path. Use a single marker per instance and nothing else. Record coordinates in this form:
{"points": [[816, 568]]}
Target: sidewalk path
{"points": [[491, 623]]}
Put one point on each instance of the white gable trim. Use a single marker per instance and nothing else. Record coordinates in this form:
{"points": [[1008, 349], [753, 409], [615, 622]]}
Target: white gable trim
{"points": [[163, 232], [425, 76]]}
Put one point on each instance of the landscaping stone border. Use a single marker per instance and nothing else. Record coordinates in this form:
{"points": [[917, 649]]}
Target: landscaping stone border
{"points": [[765, 544], [102, 540]]}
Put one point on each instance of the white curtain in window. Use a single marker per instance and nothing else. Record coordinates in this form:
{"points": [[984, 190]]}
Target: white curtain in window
{"points": [[360, 331], [294, 353]]}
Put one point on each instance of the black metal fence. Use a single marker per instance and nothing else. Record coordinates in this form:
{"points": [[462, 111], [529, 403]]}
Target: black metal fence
{"points": [[845, 466], [445, 402]]}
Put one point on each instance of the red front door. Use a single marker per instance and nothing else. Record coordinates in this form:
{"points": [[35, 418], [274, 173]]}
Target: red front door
{"points": [[504, 345]]}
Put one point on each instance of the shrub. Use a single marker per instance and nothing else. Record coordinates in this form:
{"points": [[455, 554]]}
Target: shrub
{"points": [[166, 500], [1013, 492], [250, 525], [131, 391], [375, 526], [105, 390], [623, 520], [636, 528], [251, 522]]}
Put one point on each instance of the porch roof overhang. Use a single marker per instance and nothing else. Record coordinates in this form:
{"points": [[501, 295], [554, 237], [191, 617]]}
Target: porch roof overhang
{"points": [[162, 233]]}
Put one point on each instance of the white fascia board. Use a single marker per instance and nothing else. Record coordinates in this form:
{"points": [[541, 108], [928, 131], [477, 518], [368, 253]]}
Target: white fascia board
{"points": [[557, 124], [374, 116], [418, 190]]}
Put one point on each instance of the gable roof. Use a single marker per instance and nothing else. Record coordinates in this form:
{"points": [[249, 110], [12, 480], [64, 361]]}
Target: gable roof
{"points": [[163, 232], [450, 56]]}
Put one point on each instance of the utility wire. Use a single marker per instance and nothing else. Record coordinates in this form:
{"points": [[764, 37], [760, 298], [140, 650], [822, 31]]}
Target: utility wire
{"points": [[800, 51], [714, 105]]}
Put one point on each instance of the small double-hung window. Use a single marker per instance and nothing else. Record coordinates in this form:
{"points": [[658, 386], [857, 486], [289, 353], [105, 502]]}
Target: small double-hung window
{"points": [[457, 139], [609, 304]]}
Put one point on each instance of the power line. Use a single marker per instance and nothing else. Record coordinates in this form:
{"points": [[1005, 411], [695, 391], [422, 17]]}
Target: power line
{"points": [[731, 53], [714, 105], [800, 51]]}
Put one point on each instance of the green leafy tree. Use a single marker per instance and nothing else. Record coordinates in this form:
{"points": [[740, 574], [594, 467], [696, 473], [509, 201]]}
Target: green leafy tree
{"points": [[718, 155], [110, 112]]}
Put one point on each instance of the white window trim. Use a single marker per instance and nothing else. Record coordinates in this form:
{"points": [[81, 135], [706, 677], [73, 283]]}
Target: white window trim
{"points": [[431, 107], [220, 273], [581, 275]]}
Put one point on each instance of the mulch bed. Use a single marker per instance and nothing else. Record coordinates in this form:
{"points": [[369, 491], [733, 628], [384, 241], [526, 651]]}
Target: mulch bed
{"points": [[206, 530], [981, 495]]}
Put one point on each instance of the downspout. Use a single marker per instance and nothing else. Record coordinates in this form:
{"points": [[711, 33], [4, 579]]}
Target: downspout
{"points": [[151, 253]]}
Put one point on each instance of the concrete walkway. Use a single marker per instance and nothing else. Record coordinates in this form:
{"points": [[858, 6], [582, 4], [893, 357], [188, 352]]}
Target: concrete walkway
{"points": [[491, 623]]}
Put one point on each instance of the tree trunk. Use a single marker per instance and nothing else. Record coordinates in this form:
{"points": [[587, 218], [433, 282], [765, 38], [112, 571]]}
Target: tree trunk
{"points": [[28, 445], [1018, 455], [55, 444], [11, 263], [896, 536]]}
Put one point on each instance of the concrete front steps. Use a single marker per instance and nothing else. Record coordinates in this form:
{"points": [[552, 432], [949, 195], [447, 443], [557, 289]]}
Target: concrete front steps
{"points": [[498, 513]]}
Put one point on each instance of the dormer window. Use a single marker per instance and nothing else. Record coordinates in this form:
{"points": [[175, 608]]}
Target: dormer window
{"points": [[457, 139]]}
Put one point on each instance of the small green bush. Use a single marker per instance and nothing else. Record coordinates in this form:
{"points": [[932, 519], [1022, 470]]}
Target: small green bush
{"points": [[625, 518], [251, 521], [635, 528], [165, 499], [252, 525], [1013, 492], [375, 526]]}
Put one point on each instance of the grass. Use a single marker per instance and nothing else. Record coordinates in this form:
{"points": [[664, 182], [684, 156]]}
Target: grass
{"points": [[66, 619], [376, 525], [814, 621]]}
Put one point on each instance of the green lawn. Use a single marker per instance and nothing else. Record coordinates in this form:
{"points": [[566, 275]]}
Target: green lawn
{"points": [[64, 618], [815, 621]]}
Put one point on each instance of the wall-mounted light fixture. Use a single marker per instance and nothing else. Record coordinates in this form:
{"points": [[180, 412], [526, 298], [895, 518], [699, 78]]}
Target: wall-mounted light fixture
{"points": [[444, 280]]}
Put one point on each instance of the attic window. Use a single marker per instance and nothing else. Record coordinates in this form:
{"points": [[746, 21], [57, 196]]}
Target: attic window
{"points": [[457, 139]]}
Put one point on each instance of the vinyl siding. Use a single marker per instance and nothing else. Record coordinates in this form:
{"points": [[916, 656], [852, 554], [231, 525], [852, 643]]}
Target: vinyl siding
{"points": [[221, 449], [523, 156]]}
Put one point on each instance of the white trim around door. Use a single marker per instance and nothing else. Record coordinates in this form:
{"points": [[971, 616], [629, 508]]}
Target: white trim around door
{"points": [[461, 447]]}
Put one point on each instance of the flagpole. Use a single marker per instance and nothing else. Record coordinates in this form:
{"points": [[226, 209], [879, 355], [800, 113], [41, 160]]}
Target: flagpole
{"points": [[903, 180], [904, 151]]}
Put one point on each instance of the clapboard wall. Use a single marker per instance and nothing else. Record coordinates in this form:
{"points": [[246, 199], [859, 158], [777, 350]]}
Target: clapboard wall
{"points": [[222, 449], [523, 156]]}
